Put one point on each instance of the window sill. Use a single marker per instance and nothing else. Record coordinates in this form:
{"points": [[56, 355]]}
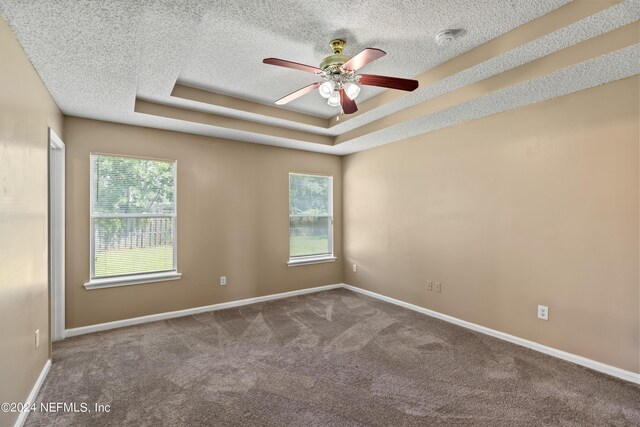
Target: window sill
{"points": [[294, 262], [111, 282]]}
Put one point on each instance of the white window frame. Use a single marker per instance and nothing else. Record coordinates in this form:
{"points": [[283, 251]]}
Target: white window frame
{"points": [[312, 259], [136, 278]]}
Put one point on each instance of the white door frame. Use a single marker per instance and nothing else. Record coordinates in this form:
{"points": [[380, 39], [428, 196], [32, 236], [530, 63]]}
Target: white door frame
{"points": [[56, 234]]}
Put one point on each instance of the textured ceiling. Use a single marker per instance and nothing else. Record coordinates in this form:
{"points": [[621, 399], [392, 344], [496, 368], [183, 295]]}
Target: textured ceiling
{"points": [[97, 58], [614, 66], [597, 24], [233, 40]]}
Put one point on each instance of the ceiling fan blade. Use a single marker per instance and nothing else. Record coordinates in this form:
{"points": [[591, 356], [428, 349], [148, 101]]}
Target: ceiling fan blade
{"points": [[390, 82], [348, 105], [290, 64], [297, 94], [363, 58]]}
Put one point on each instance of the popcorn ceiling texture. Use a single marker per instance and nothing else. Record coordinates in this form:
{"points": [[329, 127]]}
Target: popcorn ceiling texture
{"points": [[113, 49], [613, 66], [97, 57], [227, 56], [592, 26]]}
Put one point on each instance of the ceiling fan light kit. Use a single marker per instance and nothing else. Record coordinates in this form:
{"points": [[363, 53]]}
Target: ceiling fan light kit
{"points": [[342, 85]]}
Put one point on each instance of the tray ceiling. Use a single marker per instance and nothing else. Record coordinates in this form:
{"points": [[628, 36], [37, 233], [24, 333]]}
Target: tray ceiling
{"points": [[196, 66]]}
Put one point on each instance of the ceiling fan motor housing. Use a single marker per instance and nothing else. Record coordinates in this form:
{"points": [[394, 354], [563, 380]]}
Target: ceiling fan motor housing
{"points": [[331, 64]]}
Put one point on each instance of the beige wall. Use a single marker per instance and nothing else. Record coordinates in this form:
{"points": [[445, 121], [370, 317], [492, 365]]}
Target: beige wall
{"points": [[26, 111], [533, 206], [232, 220]]}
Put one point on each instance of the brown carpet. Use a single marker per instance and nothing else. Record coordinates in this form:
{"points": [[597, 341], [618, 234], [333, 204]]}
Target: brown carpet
{"points": [[334, 358]]}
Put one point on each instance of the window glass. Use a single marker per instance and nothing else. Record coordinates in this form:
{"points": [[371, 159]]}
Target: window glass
{"points": [[310, 215], [133, 214]]}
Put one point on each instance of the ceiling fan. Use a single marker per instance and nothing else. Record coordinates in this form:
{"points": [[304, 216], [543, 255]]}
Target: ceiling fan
{"points": [[340, 87]]}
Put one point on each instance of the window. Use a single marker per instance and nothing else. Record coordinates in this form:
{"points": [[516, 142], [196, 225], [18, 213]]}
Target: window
{"points": [[310, 219], [133, 221]]}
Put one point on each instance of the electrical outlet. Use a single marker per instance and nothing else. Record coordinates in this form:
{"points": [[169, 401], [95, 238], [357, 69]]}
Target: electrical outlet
{"points": [[437, 287], [37, 338], [223, 280], [543, 312], [355, 268], [429, 285]]}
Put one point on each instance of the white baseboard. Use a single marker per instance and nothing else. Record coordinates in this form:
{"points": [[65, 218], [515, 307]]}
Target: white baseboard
{"points": [[34, 393], [570, 357], [190, 311]]}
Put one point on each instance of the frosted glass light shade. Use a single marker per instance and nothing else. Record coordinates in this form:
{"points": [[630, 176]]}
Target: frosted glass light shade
{"points": [[352, 90], [334, 99], [326, 88]]}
